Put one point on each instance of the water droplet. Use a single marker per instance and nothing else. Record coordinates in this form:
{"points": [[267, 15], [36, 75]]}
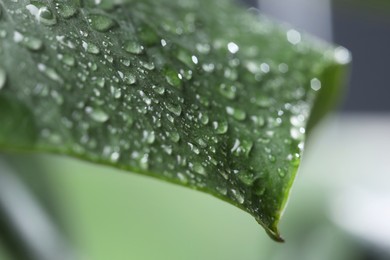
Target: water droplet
{"points": [[42, 14], [158, 89], [174, 136], [228, 91], [147, 65], [49, 72], [66, 10], [233, 47], [3, 78], [236, 113], [294, 37], [97, 115], [263, 101], [201, 143], [204, 118], [281, 172], [172, 78], [198, 168], [116, 92], [18, 37], [90, 48], [114, 157], [101, 23], [315, 84], [174, 108], [149, 136], [342, 55], [193, 148], [220, 127], [238, 196], [247, 178], [133, 47], [33, 44], [130, 79]]}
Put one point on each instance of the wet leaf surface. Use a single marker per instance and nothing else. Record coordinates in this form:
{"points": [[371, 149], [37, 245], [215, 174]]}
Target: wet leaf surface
{"points": [[198, 93]]}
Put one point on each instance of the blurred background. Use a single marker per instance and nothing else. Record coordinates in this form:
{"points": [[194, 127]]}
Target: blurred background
{"points": [[339, 207]]}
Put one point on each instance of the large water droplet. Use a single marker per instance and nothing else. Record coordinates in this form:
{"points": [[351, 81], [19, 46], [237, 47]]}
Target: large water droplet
{"points": [[172, 78], [42, 14], [67, 9], [101, 23]]}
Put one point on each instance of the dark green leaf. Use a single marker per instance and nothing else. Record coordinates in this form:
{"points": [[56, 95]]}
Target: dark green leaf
{"points": [[199, 93]]}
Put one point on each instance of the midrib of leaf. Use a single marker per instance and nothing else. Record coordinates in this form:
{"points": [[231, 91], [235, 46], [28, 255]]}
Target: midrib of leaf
{"points": [[220, 100]]}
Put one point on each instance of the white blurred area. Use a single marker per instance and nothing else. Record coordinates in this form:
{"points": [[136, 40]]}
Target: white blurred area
{"points": [[348, 156], [313, 16]]}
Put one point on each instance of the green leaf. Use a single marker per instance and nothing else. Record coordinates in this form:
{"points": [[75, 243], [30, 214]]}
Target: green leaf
{"points": [[198, 93]]}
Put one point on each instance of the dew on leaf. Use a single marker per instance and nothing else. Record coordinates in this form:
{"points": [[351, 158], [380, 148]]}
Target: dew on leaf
{"points": [[238, 196], [49, 72], [42, 14], [198, 168], [172, 78], [158, 89], [228, 91], [238, 114], [97, 114], [66, 10], [100, 22], [90, 48], [174, 108], [315, 84], [32, 43], [133, 47], [130, 79], [220, 127]]}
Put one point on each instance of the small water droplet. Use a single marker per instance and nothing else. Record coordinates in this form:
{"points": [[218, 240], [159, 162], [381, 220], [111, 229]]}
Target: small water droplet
{"points": [[238, 196], [220, 127], [204, 118], [97, 114], [130, 79], [172, 78], [233, 47], [49, 72], [174, 108], [281, 172], [238, 114], [101, 23], [133, 47], [158, 89], [174, 136], [198, 168], [33, 44], [294, 37], [90, 48], [228, 91], [315, 84]]}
